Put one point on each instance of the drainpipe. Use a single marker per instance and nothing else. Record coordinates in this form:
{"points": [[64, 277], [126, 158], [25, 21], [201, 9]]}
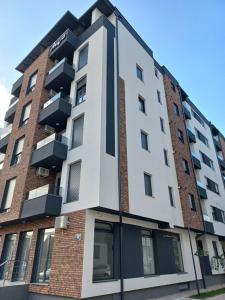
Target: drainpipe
{"points": [[119, 160]]}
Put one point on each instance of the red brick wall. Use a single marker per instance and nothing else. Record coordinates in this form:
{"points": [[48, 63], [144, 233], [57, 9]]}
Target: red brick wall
{"points": [[123, 150], [187, 183]]}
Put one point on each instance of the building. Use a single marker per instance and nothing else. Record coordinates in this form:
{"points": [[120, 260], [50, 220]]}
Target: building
{"points": [[107, 168]]}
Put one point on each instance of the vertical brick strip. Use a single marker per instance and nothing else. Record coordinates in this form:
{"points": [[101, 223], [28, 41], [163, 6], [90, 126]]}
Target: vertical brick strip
{"points": [[123, 150]]}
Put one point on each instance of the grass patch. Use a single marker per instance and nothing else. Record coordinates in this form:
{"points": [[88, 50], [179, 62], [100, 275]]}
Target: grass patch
{"points": [[210, 294]]}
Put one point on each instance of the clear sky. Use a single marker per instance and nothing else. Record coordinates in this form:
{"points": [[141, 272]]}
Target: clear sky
{"points": [[187, 36]]}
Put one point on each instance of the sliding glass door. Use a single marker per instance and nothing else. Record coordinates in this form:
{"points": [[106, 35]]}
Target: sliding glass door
{"points": [[7, 252]]}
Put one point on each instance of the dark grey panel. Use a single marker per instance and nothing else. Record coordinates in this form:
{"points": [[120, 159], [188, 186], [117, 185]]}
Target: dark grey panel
{"points": [[56, 114], [17, 292], [10, 113], [47, 205], [132, 252], [17, 86], [164, 261], [110, 97], [60, 77], [205, 265], [4, 143], [52, 154], [34, 296], [187, 113], [222, 164], [191, 136], [202, 192]]}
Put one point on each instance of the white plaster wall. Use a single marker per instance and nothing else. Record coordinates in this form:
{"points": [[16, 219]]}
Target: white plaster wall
{"points": [[139, 160]]}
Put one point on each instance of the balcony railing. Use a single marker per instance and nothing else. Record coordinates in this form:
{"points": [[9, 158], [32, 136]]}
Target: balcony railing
{"points": [[7, 130], [62, 61], [47, 189], [54, 137], [55, 98], [191, 135]]}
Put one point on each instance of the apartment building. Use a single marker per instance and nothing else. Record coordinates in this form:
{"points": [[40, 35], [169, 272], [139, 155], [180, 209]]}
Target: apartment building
{"points": [[111, 181]]}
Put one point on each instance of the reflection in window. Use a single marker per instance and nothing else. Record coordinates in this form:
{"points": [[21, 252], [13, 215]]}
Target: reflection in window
{"points": [[177, 254], [103, 252], [148, 252], [43, 258]]}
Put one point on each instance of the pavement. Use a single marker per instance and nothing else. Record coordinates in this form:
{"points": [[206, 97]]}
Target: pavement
{"points": [[186, 295]]}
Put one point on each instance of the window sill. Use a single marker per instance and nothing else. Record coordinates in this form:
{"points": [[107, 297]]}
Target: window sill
{"points": [[39, 283], [151, 275], [182, 273], [106, 280]]}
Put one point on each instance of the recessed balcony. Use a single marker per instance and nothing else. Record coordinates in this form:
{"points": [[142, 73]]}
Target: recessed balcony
{"points": [[4, 139], [191, 136], [17, 87], [196, 161], [56, 111], [209, 228], [60, 76], [202, 190], [64, 46], [221, 163], [10, 113], [187, 113], [50, 152], [44, 201], [217, 144]]}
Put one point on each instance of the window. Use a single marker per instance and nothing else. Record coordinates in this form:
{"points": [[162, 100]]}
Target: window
{"points": [[162, 125], [77, 138], [141, 103], [22, 256], [8, 248], [191, 201], [17, 151], [25, 114], [148, 184], [83, 57], [103, 252], [180, 135], [173, 86], [176, 109], [139, 72], [198, 118], [186, 166], [1, 165], [43, 255], [81, 91], [148, 252], [8, 194], [156, 73], [144, 140], [206, 160], [202, 138], [177, 254], [74, 182], [166, 160], [215, 249], [32, 82], [159, 96], [170, 189], [212, 186]]}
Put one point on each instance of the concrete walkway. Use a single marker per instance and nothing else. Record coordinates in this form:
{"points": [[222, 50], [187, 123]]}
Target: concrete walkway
{"points": [[185, 295]]}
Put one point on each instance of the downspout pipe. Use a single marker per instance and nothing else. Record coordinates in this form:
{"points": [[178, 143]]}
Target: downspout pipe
{"points": [[119, 159]]}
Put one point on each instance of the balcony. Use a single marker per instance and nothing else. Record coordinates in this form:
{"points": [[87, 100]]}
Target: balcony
{"points": [[10, 113], [64, 46], [50, 152], [221, 163], [187, 113], [202, 191], [191, 136], [217, 144], [196, 161], [56, 111], [17, 87], [209, 228], [4, 139], [44, 201], [60, 77]]}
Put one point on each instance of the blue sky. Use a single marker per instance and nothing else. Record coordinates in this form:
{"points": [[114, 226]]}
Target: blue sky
{"points": [[188, 36]]}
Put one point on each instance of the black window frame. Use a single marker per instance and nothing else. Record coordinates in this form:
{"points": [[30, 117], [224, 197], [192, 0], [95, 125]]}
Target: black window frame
{"points": [[31, 88], [139, 73], [148, 189], [82, 88], [159, 97], [25, 121], [142, 106], [186, 166], [171, 195], [16, 158], [144, 140], [85, 47], [180, 135], [176, 109], [166, 158], [162, 125], [191, 201], [4, 197], [212, 185]]}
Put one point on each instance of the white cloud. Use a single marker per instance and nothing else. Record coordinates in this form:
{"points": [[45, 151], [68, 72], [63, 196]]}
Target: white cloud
{"points": [[5, 97]]}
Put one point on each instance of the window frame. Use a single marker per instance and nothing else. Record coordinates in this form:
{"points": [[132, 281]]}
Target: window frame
{"points": [[86, 46], [147, 233], [146, 141], [139, 70], [141, 102], [148, 176], [29, 87], [84, 95], [171, 196], [24, 122]]}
